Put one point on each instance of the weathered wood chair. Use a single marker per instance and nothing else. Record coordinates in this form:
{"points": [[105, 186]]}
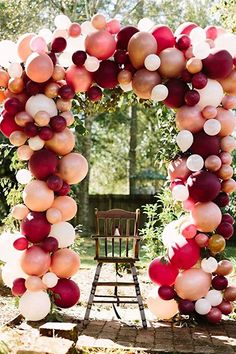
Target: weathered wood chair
{"points": [[116, 241]]}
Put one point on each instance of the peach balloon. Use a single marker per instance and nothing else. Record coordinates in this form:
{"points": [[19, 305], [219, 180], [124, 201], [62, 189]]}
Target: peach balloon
{"points": [[228, 144], [39, 67], [144, 81], [228, 186], [20, 211], [53, 215], [37, 196], [162, 309], [225, 172], [226, 158], [206, 216], [229, 102], [172, 63], [68, 117], [35, 261], [64, 105], [98, 21], [227, 120], [4, 78], [194, 65], [24, 152], [66, 205], [105, 44], [42, 118], [79, 78], [23, 46], [65, 263], [62, 143], [192, 284], [34, 283], [213, 163], [73, 168], [225, 267], [51, 90], [59, 73], [124, 77], [189, 118], [141, 44], [22, 118], [209, 112], [229, 83], [17, 138], [16, 85]]}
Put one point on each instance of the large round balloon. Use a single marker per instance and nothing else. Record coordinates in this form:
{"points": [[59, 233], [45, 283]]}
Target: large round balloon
{"points": [[144, 81], [218, 64], [39, 67], [192, 284], [106, 75], [205, 145], [79, 78], [59, 230], [172, 63], [229, 83], [62, 143], [162, 309], [35, 261], [203, 186], [211, 94], [184, 253], [43, 163], [23, 46], [189, 118], [66, 293], [73, 168], [164, 37], [65, 263], [104, 47], [37, 196], [162, 272], [34, 306], [178, 169], [40, 102], [206, 216], [140, 46], [176, 92], [227, 120], [66, 205], [35, 227], [124, 36]]}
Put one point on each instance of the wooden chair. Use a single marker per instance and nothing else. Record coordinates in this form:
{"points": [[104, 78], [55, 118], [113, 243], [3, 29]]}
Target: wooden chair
{"points": [[116, 241]]}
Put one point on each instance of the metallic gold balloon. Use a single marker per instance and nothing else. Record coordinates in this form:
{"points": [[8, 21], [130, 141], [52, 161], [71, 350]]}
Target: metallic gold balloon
{"points": [[124, 77], [230, 293], [216, 244], [59, 73], [194, 65], [42, 118], [62, 143], [140, 46], [51, 90], [16, 85], [144, 81], [213, 163], [172, 63], [17, 138]]}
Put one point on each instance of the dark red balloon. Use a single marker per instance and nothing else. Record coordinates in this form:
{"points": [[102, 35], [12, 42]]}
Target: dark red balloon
{"points": [[186, 76], [183, 42], [57, 123], [18, 288], [106, 75], [31, 129], [199, 80], [226, 307], [164, 37], [214, 316], [46, 133], [52, 57], [79, 57], [219, 282], [218, 64], [177, 89], [227, 218], [58, 44], [205, 145], [120, 56], [222, 199], [32, 88], [184, 256], [166, 292], [162, 272], [8, 125], [203, 186], [225, 229], [185, 28], [191, 97], [49, 244], [65, 189], [55, 183], [43, 163], [186, 307], [94, 93], [124, 36], [66, 92], [66, 293], [35, 227], [21, 244], [13, 105]]}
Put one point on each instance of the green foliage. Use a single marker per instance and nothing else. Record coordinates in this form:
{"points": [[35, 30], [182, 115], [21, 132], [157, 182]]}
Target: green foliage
{"points": [[4, 349], [226, 11]]}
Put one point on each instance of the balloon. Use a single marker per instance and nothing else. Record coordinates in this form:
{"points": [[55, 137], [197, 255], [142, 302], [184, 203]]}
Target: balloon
{"points": [[211, 94], [67, 207], [62, 22], [191, 97], [162, 309], [184, 253], [225, 307], [38, 44], [219, 282], [59, 230], [17, 138], [166, 292], [37, 196], [50, 244], [177, 169], [206, 216], [162, 272], [230, 293], [78, 78], [94, 93], [22, 118], [8, 126], [218, 64], [186, 307], [199, 80], [124, 36], [23, 46], [113, 26], [144, 81], [7, 251], [4, 78], [172, 63], [228, 218], [62, 143], [183, 42], [189, 118], [194, 65], [201, 50], [202, 306], [33, 283], [216, 244], [195, 162], [176, 93], [73, 168], [40, 102], [39, 67], [209, 112], [65, 263], [35, 261], [66, 293], [159, 93], [106, 75], [209, 265], [36, 143], [18, 288], [192, 284], [92, 64], [140, 46], [205, 145], [11, 271], [50, 279], [53, 215], [226, 230], [105, 44], [34, 306], [202, 240], [227, 121], [214, 316], [124, 77], [164, 37], [43, 163], [170, 233], [188, 230], [226, 158], [19, 211], [42, 118], [214, 297], [74, 30], [213, 163], [228, 144], [203, 186], [35, 227], [180, 193], [225, 267], [152, 62], [21, 244], [212, 127], [228, 186], [68, 117], [228, 83]]}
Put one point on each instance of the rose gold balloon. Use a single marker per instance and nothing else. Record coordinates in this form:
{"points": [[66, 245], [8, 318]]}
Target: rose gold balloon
{"points": [[16, 85], [79, 78], [68, 117], [144, 81], [209, 112], [39, 67], [65, 263], [213, 163], [53, 215], [225, 267], [59, 73], [66, 205], [141, 44], [124, 77], [192, 284], [22, 118], [4, 78], [64, 105], [51, 90], [229, 83], [189, 118], [225, 172], [172, 63], [228, 144], [229, 102], [17, 138], [23, 46], [98, 21], [227, 121], [226, 158], [24, 152], [37, 196], [189, 53], [42, 118], [206, 216], [35, 261], [202, 240], [194, 65], [34, 283], [228, 186], [73, 168], [230, 293], [216, 244], [178, 169], [62, 143], [20, 211]]}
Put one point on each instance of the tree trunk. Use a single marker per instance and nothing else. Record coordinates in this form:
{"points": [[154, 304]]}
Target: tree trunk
{"points": [[132, 149]]}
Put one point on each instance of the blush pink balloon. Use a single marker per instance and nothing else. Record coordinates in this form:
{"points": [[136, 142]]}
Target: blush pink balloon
{"points": [[189, 118], [178, 169], [229, 102], [206, 216], [105, 44], [202, 240], [35, 261], [79, 78]]}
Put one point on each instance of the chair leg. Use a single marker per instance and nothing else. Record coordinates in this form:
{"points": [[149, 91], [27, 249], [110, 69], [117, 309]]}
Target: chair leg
{"points": [[138, 294], [92, 293]]}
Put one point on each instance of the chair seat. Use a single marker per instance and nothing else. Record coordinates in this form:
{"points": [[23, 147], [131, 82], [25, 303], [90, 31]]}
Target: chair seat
{"points": [[116, 259]]}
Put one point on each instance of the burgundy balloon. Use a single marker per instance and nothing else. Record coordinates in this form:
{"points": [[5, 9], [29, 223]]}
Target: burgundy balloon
{"points": [[227, 218], [57, 123], [55, 183], [58, 44], [203, 186], [32, 88], [124, 36], [8, 125], [66, 92], [184, 256], [186, 307], [222, 199], [205, 145], [43, 163], [164, 37], [120, 56], [35, 227], [218, 64], [191, 97], [214, 316], [53, 57], [21, 244], [219, 282], [65, 189], [94, 93], [49, 244], [199, 80], [31, 129], [183, 42], [18, 288], [226, 307], [106, 75], [186, 76], [46, 133], [225, 229], [13, 105], [166, 292], [79, 57], [177, 89], [66, 293]]}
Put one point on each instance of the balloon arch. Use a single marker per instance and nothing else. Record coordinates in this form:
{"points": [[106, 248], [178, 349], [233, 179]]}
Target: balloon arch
{"points": [[191, 71]]}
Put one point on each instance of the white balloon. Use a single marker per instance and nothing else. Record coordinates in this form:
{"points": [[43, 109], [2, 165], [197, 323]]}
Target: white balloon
{"points": [[145, 24], [152, 62], [11, 271], [34, 306], [15, 70], [36, 143], [226, 41], [40, 102], [87, 28], [23, 176], [197, 34], [46, 34], [74, 44], [65, 59], [211, 94], [64, 232], [202, 306], [215, 297], [92, 64], [201, 50], [8, 52], [7, 250], [212, 127], [184, 140], [50, 279], [126, 88], [170, 233], [180, 193], [60, 33], [159, 93], [62, 22], [195, 162], [209, 265]]}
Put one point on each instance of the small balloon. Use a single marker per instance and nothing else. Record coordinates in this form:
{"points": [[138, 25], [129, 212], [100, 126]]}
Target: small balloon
{"points": [[184, 140], [195, 162], [212, 127], [209, 265]]}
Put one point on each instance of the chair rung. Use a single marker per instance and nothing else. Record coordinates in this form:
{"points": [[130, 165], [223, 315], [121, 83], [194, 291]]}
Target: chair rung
{"points": [[114, 302], [119, 296], [99, 283]]}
